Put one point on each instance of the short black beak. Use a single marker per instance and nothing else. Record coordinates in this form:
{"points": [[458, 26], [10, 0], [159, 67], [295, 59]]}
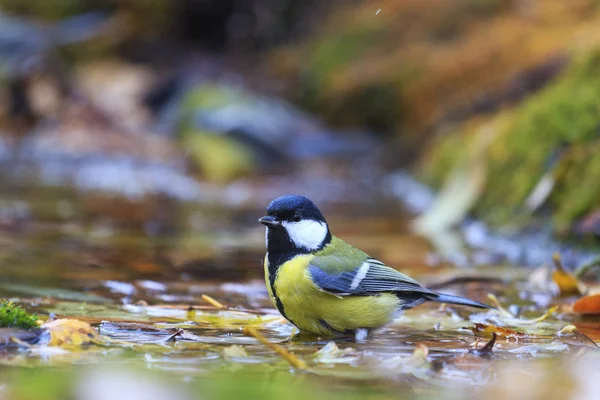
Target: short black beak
{"points": [[269, 221]]}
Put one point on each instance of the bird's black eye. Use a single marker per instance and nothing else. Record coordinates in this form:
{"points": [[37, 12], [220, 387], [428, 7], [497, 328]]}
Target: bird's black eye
{"points": [[296, 217]]}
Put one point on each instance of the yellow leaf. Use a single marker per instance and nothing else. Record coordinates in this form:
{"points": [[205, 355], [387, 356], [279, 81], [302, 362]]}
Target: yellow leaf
{"points": [[69, 332], [566, 282]]}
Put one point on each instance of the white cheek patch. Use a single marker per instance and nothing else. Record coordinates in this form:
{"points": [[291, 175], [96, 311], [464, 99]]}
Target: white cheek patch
{"points": [[308, 234]]}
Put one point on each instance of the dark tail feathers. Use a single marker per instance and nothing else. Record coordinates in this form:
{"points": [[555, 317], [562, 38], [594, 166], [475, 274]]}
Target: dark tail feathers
{"points": [[446, 298]]}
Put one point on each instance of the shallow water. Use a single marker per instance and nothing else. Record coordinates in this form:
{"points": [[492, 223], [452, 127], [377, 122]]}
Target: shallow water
{"points": [[139, 273]]}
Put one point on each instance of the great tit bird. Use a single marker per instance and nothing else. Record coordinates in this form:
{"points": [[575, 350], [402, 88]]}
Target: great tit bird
{"points": [[326, 286]]}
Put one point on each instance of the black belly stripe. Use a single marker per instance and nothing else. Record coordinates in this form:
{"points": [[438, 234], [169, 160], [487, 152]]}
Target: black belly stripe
{"points": [[273, 270]]}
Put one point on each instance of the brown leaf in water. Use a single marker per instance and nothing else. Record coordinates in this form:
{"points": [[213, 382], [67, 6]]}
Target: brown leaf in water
{"points": [[571, 336], [498, 330], [587, 305], [585, 340]]}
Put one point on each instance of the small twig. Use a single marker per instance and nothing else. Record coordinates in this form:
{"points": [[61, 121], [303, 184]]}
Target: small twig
{"points": [[213, 302], [286, 355], [179, 332], [19, 342]]}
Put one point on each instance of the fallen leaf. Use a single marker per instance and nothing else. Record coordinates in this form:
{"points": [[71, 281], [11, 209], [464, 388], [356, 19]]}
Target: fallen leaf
{"points": [[69, 332], [419, 357], [498, 330], [234, 351], [587, 305], [566, 282], [567, 330]]}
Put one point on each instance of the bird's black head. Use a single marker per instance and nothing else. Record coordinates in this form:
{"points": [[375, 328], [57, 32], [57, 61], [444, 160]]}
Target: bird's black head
{"points": [[295, 226], [293, 208]]}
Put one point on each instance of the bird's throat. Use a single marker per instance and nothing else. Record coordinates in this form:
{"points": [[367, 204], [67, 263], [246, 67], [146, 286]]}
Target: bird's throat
{"points": [[281, 248]]}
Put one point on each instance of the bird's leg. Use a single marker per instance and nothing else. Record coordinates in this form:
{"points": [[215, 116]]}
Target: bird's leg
{"points": [[360, 335]]}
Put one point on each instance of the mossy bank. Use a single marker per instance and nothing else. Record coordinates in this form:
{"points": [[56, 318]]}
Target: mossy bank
{"points": [[541, 158]]}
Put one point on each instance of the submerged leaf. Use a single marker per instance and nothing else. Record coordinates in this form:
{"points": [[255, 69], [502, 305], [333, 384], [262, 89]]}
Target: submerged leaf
{"points": [[234, 351], [419, 357], [578, 338], [332, 354], [417, 364]]}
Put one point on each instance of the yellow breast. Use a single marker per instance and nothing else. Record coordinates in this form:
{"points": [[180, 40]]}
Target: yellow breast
{"points": [[313, 310]]}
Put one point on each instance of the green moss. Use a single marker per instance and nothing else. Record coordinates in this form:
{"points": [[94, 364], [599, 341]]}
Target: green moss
{"points": [[554, 131], [565, 114], [578, 191], [443, 155], [338, 49], [13, 316]]}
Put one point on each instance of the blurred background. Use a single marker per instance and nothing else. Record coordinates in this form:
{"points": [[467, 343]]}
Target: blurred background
{"points": [[141, 140], [115, 110]]}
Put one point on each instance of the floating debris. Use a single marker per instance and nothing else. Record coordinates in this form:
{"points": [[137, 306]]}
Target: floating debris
{"points": [[286, 355]]}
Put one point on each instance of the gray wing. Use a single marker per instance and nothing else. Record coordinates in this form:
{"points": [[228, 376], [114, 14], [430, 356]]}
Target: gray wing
{"points": [[370, 277]]}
